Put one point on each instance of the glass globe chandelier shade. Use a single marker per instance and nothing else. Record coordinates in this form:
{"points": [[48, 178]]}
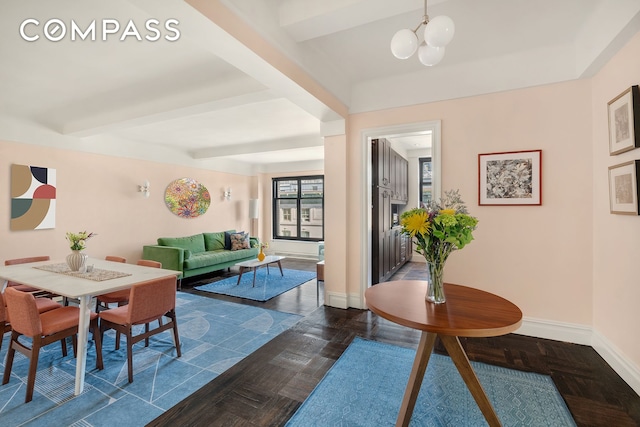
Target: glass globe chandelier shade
{"points": [[404, 44], [439, 31], [430, 55]]}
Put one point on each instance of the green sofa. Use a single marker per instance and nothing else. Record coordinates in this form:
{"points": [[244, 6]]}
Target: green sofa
{"points": [[198, 254]]}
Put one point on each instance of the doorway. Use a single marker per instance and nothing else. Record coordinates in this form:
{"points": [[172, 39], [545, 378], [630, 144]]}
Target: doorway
{"points": [[402, 138]]}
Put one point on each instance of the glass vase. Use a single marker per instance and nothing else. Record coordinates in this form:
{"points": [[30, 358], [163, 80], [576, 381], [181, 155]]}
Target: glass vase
{"points": [[76, 261], [435, 287]]}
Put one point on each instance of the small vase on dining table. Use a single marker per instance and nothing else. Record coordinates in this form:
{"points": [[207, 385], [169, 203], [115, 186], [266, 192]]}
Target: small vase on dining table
{"points": [[76, 260], [435, 286]]}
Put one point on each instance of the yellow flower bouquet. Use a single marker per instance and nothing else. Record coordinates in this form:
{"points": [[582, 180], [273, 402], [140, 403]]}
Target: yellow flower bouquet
{"points": [[439, 229]]}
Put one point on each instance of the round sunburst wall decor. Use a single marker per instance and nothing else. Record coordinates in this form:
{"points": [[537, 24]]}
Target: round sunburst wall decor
{"points": [[187, 198]]}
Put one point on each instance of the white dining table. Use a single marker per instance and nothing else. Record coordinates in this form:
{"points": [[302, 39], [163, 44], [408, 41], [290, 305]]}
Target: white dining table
{"points": [[82, 289]]}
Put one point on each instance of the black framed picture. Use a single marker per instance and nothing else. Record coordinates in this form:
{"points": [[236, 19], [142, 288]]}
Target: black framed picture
{"points": [[510, 178]]}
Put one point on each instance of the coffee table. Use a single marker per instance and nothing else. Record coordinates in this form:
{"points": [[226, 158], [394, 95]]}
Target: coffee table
{"points": [[468, 312], [254, 264]]}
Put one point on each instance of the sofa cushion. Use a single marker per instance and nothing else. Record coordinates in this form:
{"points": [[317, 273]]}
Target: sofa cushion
{"points": [[240, 241], [206, 259], [214, 241], [227, 238], [194, 243]]}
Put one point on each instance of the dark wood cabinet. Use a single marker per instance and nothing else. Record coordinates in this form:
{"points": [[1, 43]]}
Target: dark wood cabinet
{"points": [[389, 189], [382, 166], [400, 178]]}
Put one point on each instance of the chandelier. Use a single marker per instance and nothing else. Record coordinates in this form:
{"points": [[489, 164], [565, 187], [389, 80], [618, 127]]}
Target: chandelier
{"points": [[438, 32]]}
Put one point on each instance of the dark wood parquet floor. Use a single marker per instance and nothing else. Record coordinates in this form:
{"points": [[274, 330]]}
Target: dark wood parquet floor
{"points": [[267, 387]]}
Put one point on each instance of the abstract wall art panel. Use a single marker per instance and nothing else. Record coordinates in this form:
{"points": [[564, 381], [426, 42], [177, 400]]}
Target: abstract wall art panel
{"points": [[33, 198], [187, 198]]}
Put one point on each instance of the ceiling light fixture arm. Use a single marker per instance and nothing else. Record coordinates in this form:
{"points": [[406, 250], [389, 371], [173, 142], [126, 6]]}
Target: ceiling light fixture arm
{"points": [[425, 18]]}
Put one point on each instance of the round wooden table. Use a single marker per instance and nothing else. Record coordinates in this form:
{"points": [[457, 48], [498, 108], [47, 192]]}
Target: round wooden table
{"points": [[467, 312]]}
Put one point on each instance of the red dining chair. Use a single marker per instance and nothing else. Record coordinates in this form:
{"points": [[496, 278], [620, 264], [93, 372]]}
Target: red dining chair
{"points": [[149, 263], [148, 301], [43, 304], [122, 297], [43, 329], [4, 321], [25, 288], [116, 297]]}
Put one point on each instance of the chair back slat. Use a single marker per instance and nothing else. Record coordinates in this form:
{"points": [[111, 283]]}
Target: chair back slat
{"points": [[152, 299], [26, 260], [23, 312], [150, 263], [115, 258]]}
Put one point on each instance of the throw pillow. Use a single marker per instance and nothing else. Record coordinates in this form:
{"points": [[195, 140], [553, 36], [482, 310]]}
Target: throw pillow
{"points": [[239, 241], [227, 238]]}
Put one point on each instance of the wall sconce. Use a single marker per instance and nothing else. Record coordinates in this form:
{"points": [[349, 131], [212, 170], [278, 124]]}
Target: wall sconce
{"points": [[144, 189], [227, 193]]}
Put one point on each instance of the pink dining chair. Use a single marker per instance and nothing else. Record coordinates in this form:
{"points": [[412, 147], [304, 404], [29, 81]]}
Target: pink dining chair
{"points": [[149, 263], [43, 300], [24, 288], [148, 301], [116, 297], [43, 329], [4, 321]]}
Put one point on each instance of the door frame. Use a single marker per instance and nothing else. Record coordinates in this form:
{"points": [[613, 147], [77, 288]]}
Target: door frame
{"points": [[434, 126]]}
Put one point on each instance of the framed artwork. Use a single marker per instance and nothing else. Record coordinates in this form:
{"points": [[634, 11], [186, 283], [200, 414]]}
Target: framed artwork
{"points": [[624, 121], [33, 197], [623, 188], [187, 198], [510, 178]]}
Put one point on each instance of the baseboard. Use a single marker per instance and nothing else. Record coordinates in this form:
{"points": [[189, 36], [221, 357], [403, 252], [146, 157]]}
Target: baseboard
{"points": [[559, 331], [580, 334], [337, 300], [614, 357]]}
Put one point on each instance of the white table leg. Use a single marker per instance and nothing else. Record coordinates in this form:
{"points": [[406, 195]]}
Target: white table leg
{"points": [[83, 336]]}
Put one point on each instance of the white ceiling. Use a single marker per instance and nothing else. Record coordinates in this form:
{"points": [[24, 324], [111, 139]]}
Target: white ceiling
{"points": [[208, 101]]}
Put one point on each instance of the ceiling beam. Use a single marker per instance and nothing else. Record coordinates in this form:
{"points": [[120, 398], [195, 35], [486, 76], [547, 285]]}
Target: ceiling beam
{"points": [[240, 91], [258, 147], [238, 43]]}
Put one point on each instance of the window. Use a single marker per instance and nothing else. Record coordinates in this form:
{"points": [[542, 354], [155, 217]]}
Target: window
{"points": [[298, 201], [426, 187]]}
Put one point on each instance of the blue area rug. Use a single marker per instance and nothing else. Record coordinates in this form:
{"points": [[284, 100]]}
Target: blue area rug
{"points": [[215, 335], [366, 385], [267, 285]]}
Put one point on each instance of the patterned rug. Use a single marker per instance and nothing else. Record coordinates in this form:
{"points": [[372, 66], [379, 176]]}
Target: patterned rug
{"points": [[269, 283], [365, 388], [215, 335]]}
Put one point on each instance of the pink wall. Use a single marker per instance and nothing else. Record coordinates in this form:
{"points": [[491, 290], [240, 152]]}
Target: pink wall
{"points": [[539, 257], [98, 193], [616, 238]]}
